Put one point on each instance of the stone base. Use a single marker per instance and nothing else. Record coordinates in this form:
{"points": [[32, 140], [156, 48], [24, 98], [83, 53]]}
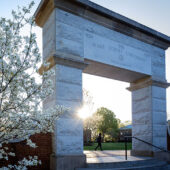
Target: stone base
{"points": [[164, 156], [141, 153], [67, 162]]}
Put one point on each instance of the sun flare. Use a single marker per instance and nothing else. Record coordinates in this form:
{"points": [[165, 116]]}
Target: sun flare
{"points": [[84, 112]]}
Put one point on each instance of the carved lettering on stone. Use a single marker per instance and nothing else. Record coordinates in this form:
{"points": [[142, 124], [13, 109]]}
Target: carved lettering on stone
{"points": [[110, 52]]}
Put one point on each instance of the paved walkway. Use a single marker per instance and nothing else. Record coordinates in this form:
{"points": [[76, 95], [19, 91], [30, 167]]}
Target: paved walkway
{"points": [[110, 156]]}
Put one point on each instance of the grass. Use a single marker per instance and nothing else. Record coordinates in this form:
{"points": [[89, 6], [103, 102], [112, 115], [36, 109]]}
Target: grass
{"points": [[110, 146]]}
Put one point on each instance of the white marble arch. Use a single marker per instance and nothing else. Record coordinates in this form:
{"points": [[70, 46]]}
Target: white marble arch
{"points": [[81, 36]]}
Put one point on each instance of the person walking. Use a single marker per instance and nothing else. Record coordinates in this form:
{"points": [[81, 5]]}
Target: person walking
{"points": [[99, 141]]}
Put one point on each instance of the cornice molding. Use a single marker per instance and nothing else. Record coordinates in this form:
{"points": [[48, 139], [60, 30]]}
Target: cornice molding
{"points": [[148, 81], [102, 16], [56, 59]]}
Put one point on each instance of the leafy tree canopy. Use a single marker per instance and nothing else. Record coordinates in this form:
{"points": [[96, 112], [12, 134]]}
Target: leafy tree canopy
{"points": [[108, 123]]}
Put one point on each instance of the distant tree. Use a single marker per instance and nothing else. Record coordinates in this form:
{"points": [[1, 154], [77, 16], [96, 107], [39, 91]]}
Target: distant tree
{"points": [[92, 124], [108, 123], [88, 99]]}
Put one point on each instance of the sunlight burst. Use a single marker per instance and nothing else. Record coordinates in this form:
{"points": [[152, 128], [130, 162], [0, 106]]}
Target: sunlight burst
{"points": [[84, 112]]}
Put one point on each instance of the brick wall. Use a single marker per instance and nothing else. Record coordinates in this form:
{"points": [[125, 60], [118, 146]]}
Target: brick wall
{"points": [[43, 151]]}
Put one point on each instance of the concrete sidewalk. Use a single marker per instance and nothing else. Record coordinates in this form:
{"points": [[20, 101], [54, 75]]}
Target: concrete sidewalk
{"points": [[111, 156]]}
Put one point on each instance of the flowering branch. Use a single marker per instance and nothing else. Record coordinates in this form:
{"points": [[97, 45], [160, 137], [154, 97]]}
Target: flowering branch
{"points": [[22, 89]]}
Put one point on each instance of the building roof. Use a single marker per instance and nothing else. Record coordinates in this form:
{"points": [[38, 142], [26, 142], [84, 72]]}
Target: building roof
{"points": [[126, 127]]}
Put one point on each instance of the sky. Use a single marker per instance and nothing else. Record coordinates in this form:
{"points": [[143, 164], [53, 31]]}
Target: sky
{"points": [[106, 92]]}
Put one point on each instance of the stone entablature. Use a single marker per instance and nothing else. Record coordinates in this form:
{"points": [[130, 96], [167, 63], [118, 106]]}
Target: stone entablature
{"points": [[68, 33], [102, 16]]}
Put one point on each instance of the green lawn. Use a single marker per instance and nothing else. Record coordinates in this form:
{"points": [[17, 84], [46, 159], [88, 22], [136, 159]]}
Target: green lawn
{"points": [[110, 146]]}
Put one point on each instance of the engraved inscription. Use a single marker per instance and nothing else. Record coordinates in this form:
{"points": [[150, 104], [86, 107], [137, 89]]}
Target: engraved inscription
{"points": [[116, 54]]}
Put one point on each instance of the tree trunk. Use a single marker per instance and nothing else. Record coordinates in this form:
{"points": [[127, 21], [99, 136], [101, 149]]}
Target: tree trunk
{"points": [[103, 137]]}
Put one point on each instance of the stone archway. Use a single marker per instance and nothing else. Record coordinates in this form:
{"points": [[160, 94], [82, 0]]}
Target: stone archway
{"points": [[80, 36]]}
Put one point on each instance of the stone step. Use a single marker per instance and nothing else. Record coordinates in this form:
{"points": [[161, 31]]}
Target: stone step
{"points": [[132, 168], [134, 165]]}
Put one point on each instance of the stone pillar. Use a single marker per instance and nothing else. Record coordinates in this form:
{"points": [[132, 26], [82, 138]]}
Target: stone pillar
{"points": [[63, 48], [68, 137], [148, 116]]}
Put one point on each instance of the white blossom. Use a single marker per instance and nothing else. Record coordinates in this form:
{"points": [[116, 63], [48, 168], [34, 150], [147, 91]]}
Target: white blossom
{"points": [[22, 89]]}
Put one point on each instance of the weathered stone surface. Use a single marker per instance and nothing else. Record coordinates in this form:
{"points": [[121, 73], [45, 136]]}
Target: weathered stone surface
{"points": [[142, 118], [158, 72], [92, 27], [162, 156], [69, 75], [69, 32], [105, 17], [111, 72], [68, 91], [68, 84], [73, 107], [146, 82], [158, 92], [69, 145], [109, 34], [110, 52], [159, 130], [158, 66], [121, 44], [67, 162], [143, 105], [142, 129], [120, 17], [70, 19], [69, 127], [149, 117], [69, 47], [138, 95], [49, 38], [160, 142], [144, 153], [68, 137], [159, 118], [133, 52], [159, 105], [141, 146]]}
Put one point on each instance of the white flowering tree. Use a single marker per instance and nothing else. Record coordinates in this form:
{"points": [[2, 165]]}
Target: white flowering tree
{"points": [[92, 121], [21, 88]]}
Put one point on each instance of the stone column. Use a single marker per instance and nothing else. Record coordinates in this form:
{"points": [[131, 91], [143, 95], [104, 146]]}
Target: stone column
{"points": [[63, 47], [68, 137], [148, 116]]}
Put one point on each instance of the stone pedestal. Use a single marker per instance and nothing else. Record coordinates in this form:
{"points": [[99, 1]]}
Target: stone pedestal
{"points": [[164, 156], [67, 162], [148, 116]]}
